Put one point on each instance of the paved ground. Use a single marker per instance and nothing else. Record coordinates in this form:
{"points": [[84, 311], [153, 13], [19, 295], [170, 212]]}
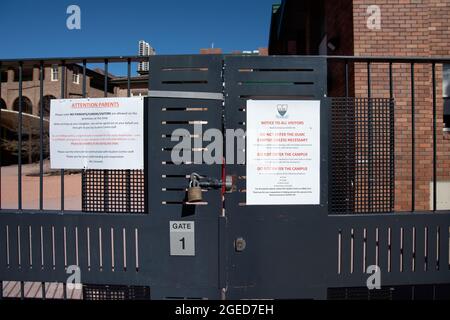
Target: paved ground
{"points": [[33, 290], [30, 188]]}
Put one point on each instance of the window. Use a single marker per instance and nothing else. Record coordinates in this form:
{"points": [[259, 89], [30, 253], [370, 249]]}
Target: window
{"points": [[27, 74], [55, 73], [76, 76], [4, 76]]}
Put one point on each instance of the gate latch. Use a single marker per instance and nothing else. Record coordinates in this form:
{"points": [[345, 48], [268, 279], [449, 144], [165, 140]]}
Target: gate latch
{"points": [[197, 183]]}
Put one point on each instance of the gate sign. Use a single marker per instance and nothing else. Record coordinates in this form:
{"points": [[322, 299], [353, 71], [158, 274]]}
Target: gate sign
{"points": [[182, 238], [283, 152], [105, 133]]}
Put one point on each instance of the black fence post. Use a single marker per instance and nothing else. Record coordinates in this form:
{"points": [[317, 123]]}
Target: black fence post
{"points": [[413, 142], [106, 172], [19, 156], [434, 139], [1, 137], [63, 96], [41, 136], [392, 140], [128, 172], [370, 137]]}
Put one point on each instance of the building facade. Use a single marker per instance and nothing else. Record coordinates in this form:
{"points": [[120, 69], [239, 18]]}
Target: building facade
{"points": [[73, 87], [407, 28], [31, 103]]}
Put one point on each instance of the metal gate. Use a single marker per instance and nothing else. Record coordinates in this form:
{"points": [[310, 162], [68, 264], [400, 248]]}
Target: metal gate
{"points": [[279, 239], [121, 240]]}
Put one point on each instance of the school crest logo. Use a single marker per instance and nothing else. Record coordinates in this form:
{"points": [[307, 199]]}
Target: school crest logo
{"points": [[282, 110]]}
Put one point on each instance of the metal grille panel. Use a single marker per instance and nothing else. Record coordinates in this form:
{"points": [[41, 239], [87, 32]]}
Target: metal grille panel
{"points": [[359, 294], [362, 156], [115, 292], [410, 292], [113, 191]]}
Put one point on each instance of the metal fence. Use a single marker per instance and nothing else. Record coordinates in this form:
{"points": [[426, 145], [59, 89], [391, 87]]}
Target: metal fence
{"points": [[362, 156], [297, 252]]}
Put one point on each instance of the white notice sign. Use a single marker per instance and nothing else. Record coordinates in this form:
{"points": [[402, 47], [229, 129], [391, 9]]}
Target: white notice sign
{"points": [[283, 152], [106, 133]]}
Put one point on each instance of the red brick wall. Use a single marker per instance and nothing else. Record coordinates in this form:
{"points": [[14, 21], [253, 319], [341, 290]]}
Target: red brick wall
{"points": [[408, 28], [339, 27]]}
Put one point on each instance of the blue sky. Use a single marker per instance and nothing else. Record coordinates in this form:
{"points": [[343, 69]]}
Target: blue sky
{"points": [[38, 28]]}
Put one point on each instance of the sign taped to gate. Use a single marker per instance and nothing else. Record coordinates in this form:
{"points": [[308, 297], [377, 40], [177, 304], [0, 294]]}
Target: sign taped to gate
{"points": [[104, 133], [182, 238], [283, 152]]}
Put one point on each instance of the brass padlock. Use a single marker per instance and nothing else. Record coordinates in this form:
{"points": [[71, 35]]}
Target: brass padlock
{"points": [[194, 191]]}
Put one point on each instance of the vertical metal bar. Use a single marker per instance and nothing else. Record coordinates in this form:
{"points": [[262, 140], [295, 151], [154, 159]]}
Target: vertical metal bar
{"points": [[64, 291], [370, 137], [434, 140], [128, 172], [391, 82], [146, 134], [413, 142], [43, 291], [129, 78], [348, 117], [84, 78], [1, 136], [346, 80], [106, 172], [22, 290], [105, 91], [41, 136], [392, 135], [83, 175], [63, 96], [19, 168]]}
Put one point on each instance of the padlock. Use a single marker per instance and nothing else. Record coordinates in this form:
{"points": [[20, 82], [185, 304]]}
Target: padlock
{"points": [[194, 191]]}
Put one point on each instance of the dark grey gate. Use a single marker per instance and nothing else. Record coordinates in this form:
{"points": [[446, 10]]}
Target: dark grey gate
{"points": [[177, 88], [279, 239], [121, 239]]}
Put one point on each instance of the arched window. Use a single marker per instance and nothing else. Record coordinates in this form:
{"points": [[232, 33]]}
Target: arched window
{"points": [[27, 106], [46, 105], [2, 104]]}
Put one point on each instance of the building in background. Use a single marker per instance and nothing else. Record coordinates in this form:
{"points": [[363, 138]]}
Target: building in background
{"points": [[73, 87], [407, 28], [31, 102], [145, 50], [138, 85], [258, 52]]}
